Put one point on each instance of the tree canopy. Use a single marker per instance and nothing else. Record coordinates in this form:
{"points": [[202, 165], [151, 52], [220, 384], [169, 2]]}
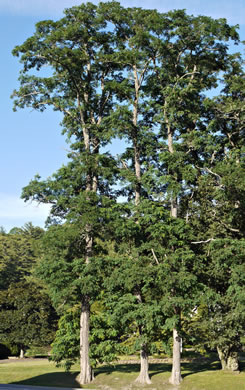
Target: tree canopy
{"points": [[138, 232]]}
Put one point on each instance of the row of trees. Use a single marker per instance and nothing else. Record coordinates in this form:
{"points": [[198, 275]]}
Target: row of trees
{"points": [[148, 239]]}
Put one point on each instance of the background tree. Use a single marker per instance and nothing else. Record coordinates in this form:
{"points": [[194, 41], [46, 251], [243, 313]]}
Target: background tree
{"points": [[27, 317], [18, 255]]}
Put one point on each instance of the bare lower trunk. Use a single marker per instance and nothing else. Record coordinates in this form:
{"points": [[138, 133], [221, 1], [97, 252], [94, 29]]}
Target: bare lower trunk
{"points": [[22, 354], [176, 378], [144, 368], [228, 358], [86, 374]]}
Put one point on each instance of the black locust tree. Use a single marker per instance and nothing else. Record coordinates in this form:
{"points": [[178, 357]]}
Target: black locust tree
{"points": [[219, 219], [132, 123], [189, 60], [141, 76], [75, 52]]}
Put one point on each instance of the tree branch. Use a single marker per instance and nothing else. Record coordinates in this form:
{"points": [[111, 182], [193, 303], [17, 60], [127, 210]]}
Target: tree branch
{"points": [[154, 255], [202, 242]]}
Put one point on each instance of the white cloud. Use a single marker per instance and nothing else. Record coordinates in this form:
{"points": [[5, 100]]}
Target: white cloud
{"points": [[15, 212]]}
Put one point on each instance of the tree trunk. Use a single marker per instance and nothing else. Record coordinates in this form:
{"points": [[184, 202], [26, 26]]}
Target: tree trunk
{"points": [[86, 374], [228, 358], [22, 354], [137, 165], [176, 378], [143, 377], [144, 365]]}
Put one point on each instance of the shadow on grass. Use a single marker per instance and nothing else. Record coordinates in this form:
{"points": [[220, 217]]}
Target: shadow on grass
{"points": [[211, 363], [159, 368], [198, 365], [68, 379], [55, 379], [188, 368], [132, 368], [123, 368]]}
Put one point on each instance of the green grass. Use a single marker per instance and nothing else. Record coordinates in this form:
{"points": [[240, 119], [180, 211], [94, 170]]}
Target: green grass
{"points": [[37, 373], [197, 375]]}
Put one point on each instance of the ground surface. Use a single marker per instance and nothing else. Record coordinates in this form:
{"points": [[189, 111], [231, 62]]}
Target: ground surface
{"points": [[24, 387], [198, 374]]}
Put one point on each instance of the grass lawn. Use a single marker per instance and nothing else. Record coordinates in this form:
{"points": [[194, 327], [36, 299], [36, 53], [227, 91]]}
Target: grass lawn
{"points": [[37, 373], [201, 375]]}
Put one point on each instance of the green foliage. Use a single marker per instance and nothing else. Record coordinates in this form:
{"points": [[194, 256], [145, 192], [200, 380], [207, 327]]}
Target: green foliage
{"points": [[17, 257], [19, 252], [177, 241], [22, 320], [65, 348], [104, 337], [26, 316]]}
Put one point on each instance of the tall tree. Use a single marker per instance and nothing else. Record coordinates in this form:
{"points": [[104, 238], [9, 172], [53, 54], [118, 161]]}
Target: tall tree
{"points": [[220, 223], [141, 76], [187, 65], [76, 50], [132, 121]]}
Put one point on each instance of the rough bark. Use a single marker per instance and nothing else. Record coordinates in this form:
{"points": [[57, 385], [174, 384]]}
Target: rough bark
{"points": [[143, 377], [228, 358], [176, 378], [86, 374]]}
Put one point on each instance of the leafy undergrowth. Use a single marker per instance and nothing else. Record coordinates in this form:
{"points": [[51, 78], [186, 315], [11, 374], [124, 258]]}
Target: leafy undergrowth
{"points": [[199, 374]]}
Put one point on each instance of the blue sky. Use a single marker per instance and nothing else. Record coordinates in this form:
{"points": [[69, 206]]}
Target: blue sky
{"points": [[31, 142]]}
